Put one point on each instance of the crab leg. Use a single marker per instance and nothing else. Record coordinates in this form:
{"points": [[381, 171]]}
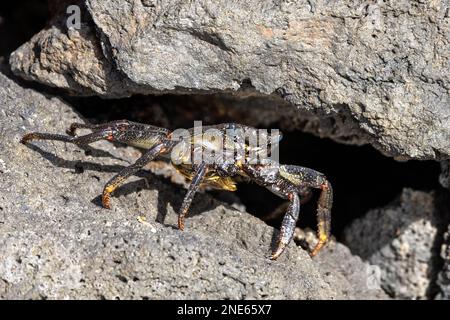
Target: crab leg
{"points": [[285, 189], [118, 179], [301, 176], [86, 139], [323, 216], [288, 225], [74, 126], [193, 188], [105, 133]]}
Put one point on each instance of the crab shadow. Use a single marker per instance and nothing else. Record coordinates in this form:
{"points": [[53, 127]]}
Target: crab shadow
{"points": [[169, 194]]}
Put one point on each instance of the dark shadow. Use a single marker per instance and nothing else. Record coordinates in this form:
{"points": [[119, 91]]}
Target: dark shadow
{"points": [[74, 164], [201, 203], [99, 153], [19, 21]]}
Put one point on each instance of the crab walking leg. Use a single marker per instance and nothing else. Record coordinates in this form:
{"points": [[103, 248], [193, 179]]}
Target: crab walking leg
{"points": [[106, 133], [323, 217], [286, 189], [302, 176], [288, 225], [119, 178], [193, 188], [74, 126], [113, 124], [81, 140]]}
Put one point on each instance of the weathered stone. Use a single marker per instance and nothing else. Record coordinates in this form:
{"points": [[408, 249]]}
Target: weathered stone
{"points": [[354, 270], [379, 71], [443, 280], [444, 177], [57, 242], [403, 240]]}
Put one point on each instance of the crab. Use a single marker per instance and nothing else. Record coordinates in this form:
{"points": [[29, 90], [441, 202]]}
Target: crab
{"points": [[293, 183]]}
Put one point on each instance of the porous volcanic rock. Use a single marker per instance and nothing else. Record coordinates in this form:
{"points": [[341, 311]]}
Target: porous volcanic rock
{"points": [[56, 241]]}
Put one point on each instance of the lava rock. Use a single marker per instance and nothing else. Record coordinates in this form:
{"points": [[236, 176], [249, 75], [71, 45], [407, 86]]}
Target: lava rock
{"points": [[443, 280], [57, 242], [444, 177], [380, 70], [364, 277], [403, 240]]}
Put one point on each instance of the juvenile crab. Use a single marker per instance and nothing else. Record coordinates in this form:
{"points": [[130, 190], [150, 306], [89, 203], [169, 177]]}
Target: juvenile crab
{"points": [[287, 181]]}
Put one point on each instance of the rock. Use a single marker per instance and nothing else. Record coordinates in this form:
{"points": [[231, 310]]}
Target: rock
{"points": [[352, 268], [379, 71], [57, 242], [444, 177], [402, 239], [443, 280], [75, 53]]}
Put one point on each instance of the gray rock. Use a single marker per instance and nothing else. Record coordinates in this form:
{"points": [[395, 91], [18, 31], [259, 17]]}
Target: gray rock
{"points": [[402, 239], [360, 273], [57, 242], [443, 280], [378, 70], [444, 177]]}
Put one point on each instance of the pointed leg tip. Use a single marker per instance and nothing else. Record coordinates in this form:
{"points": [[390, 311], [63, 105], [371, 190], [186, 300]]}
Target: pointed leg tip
{"points": [[274, 256], [316, 249], [278, 251], [26, 138], [181, 222], [106, 204]]}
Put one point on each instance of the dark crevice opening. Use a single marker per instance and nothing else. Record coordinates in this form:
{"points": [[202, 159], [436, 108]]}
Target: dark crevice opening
{"points": [[361, 176], [19, 21]]}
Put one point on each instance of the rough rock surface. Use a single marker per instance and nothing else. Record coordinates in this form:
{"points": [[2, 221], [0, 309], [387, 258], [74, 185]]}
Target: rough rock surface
{"points": [[378, 70], [355, 270], [403, 240], [443, 280], [444, 177], [57, 242]]}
